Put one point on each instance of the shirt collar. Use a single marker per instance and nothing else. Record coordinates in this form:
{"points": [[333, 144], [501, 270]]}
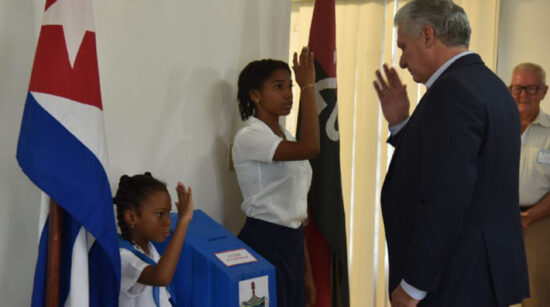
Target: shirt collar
{"points": [[445, 65], [254, 121], [542, 119]]}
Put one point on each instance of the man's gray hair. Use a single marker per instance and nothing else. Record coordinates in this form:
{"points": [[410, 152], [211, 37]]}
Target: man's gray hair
{"points": [[448, 20], [532, 67]]}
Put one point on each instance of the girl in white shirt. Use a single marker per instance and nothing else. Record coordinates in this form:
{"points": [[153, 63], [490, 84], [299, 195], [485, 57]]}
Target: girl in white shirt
{"points": [[273, 172], [143, 215]]}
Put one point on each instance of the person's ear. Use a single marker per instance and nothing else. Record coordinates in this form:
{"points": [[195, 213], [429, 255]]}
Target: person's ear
{"points": [[130, 217], [255, 96], [428, 36]]}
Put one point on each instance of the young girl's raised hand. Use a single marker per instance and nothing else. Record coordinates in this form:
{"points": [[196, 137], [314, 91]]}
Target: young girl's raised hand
{"points": [[307, 145], [304, 68], [162, 273], [184, 203]]}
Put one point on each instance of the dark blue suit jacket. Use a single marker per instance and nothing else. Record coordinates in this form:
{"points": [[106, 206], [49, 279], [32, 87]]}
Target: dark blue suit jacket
{"points": [[450, 197]]}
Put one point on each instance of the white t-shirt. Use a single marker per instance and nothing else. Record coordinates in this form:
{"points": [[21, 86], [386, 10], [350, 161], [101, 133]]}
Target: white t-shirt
{"points": [[273, 191], [132, 293]]}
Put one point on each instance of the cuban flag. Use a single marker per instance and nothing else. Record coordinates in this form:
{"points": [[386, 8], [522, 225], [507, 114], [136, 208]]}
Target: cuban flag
{"points": [[62, 150]]}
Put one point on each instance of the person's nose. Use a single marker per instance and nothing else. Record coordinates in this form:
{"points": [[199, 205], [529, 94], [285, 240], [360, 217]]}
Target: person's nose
{"points": [[522, 97], [402, 62], [288, 93], [167, 221]]}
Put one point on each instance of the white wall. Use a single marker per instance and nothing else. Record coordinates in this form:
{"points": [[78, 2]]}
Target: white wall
{"points": [[168, 73], [524, 37], [19, 199]]}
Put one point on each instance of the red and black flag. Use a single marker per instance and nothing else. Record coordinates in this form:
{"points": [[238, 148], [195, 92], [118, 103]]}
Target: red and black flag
{"points": [[326, 232]]}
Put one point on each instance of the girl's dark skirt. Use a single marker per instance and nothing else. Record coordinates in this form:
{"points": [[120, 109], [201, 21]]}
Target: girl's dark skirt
{"points": [[284, 248]]}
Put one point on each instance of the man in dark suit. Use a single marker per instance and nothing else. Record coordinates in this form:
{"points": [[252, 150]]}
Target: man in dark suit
{"points": [[450, 197]]}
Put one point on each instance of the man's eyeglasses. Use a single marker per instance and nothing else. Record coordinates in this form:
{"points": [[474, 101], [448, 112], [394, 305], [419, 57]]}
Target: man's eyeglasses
{"points": [[530, 90]]}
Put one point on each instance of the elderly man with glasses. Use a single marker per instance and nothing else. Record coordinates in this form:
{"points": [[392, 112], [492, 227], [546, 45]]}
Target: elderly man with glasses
{"points": [[528, 88]]}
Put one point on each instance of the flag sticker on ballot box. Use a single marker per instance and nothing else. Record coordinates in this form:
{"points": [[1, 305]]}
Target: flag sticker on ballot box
{"points": [[234, 257]]}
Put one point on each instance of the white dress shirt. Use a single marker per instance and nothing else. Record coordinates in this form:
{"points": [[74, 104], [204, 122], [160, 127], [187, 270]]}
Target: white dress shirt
{"points": [[273, 191]]}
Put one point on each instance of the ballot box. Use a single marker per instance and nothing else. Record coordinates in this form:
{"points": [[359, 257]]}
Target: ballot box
{"points": [[216, 269]]}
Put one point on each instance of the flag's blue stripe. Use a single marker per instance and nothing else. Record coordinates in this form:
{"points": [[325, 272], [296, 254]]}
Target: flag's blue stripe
{"points": [[39, 292], [101, 290], [59, 164]]}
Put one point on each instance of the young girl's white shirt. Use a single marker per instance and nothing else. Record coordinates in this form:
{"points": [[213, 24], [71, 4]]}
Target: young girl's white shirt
{"points": [[273, 191], [135, 294]]}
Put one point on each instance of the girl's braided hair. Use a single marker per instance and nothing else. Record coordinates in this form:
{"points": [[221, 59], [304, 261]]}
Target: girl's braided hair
{"points": [[132, 191]]}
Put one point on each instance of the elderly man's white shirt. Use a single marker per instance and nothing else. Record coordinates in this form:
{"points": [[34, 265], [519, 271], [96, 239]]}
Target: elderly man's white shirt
{"points": [[534, 174]]}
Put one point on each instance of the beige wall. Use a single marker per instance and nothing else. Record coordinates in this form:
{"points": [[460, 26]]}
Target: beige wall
{"points": [[524, 36]]}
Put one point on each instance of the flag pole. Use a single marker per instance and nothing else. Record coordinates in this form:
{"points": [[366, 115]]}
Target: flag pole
{"points": [[54, 252]]}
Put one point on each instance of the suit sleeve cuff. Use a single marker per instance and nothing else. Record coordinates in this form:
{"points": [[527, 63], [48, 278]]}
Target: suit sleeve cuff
{"points": [[412, 291], [396, 128]]}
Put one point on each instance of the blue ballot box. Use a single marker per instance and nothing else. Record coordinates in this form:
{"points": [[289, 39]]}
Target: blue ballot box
{"points": [[203, 280]]}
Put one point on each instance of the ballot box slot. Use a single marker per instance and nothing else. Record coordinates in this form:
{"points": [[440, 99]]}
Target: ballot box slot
{"points": [[217, 238]]}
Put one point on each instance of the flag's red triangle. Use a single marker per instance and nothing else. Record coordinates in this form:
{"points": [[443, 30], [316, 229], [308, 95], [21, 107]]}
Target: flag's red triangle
{"points": [[52, 72]]}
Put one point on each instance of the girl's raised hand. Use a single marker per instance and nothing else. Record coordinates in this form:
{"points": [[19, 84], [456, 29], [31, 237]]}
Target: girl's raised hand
{"points": [[162, 273], [304, 67], [184, 203]]}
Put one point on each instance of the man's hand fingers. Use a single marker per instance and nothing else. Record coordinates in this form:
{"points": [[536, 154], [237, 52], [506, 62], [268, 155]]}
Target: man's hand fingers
{"points": [[393, 77], [377, 89], [381, 80]]}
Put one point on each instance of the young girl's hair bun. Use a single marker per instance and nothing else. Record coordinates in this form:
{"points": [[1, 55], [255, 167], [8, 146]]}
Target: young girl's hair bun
{"points": [[122, 187], [148, 174], [124, 181]]}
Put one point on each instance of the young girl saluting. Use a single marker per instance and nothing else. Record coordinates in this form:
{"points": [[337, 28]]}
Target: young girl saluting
{"points": [[143, 215], [273, 172]]}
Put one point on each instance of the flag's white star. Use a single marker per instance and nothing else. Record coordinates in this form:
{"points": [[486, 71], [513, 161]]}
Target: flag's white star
{"points": [[75, 16]]}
